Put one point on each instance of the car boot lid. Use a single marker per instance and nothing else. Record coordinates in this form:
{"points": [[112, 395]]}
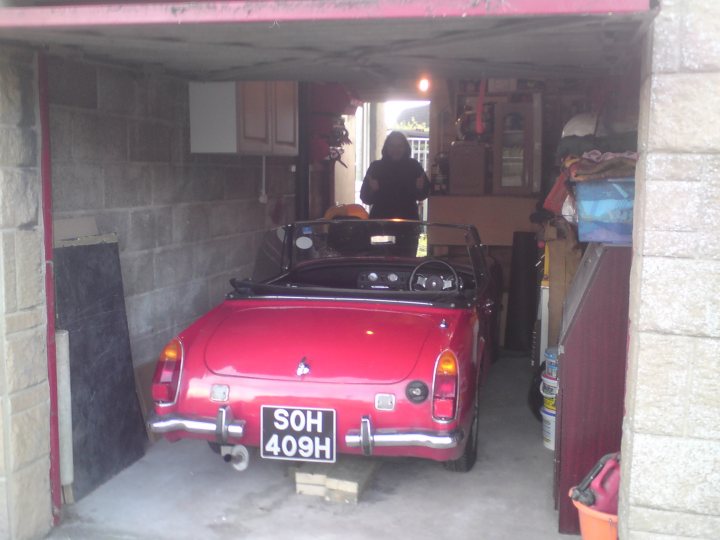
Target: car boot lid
{"points": [[318, 343]]}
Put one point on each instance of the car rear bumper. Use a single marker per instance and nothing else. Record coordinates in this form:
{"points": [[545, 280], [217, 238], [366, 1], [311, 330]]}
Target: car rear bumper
{"points": [[224, 426], [226, 430], [367, 438]]}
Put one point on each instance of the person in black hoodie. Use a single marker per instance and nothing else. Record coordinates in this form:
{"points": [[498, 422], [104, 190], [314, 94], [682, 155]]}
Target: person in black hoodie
{"points": [[394, 184]]}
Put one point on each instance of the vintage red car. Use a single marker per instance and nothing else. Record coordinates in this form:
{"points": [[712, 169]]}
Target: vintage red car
{"points": [[355, 336]]}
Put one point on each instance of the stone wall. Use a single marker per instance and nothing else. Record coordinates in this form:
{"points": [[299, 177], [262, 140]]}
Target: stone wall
{"points": [[671, 440], [25, 507], [186, 223]]}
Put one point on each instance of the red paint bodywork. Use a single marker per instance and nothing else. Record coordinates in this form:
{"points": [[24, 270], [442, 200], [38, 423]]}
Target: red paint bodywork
{"points": [[254, 346], [344, 315]]}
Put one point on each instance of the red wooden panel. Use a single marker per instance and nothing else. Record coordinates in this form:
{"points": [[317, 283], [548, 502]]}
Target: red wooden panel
{"points": [[592, 378], [239, 11]]}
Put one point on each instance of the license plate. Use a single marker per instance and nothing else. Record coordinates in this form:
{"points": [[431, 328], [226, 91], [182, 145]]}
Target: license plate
{"points": [[297, 434]]}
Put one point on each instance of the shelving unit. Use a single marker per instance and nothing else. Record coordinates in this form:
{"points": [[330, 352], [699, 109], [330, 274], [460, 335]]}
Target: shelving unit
{"points": [[513, 149], [511, 138]]}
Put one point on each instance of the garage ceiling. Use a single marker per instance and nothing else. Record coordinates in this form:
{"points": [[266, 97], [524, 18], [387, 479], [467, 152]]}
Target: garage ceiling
{"points": [[364, 50]]}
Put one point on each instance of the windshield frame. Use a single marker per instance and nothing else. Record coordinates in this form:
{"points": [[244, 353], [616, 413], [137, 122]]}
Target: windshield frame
{"points": [[291, 254], [278, 248]]}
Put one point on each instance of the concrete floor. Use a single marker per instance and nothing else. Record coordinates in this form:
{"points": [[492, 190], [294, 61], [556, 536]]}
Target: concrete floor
{"points": [[184, 491]]}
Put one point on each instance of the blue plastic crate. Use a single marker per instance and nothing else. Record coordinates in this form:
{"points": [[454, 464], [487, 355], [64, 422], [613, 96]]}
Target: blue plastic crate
{"points": [[605, 210]]}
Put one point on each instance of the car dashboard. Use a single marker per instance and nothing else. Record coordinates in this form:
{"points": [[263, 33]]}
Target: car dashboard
{"points": [[382, 278], [379, 277]]}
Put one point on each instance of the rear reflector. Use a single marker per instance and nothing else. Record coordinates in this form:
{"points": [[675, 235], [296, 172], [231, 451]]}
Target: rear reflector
{"points": [[443, 409]]}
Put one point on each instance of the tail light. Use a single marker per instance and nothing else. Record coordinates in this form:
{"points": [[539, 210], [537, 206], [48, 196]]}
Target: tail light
{"points": [[166, 379], [445, 387]]}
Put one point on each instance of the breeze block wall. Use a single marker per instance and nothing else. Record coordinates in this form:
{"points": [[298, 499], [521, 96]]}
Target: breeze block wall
{"points": [[671, 440], [25, 506], [186, 223]]}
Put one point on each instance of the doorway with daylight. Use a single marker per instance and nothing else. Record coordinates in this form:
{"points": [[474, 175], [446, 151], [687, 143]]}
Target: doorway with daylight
{"points": [[368, 128]]}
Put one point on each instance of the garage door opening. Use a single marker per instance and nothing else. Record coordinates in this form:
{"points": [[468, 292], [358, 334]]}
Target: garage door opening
{"points": [[189, 221]]}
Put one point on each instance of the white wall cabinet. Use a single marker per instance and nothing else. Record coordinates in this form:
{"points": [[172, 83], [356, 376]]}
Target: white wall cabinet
{"points": [[248, 117]]}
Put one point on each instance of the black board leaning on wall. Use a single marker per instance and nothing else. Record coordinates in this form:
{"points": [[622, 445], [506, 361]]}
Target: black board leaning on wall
{"points": [[522, 296], [108, 431]]}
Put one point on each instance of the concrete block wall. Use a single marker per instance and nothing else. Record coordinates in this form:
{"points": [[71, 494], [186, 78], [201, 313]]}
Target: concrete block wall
{"points": [[671, 433], [25, 506], [186, 223]]}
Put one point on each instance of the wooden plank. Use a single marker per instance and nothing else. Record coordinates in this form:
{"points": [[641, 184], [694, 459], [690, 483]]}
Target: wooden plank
{"points": [[312, 473], [496, 218], [311, 489], [565, 255]]}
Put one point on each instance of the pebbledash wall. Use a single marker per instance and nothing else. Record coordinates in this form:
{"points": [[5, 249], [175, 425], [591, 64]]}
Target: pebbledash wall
{"points": [[24, 391], [671, 438]]}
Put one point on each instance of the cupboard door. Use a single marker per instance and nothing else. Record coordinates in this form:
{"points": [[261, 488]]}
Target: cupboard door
{"points": [[213, 121], [513, 149], [467, 168], [254, 125], [285, 119]]}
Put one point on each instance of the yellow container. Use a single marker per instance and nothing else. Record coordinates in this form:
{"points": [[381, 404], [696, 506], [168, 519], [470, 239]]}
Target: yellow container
{"points": [[549, 389], [549, 403]]}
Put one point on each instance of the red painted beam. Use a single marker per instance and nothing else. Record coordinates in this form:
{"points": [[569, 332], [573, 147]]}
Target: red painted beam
{"points": [[46, 175], [279, 11]]}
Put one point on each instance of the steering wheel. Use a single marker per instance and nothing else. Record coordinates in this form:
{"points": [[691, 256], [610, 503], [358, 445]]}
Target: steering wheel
{"points": [[433, 282]]}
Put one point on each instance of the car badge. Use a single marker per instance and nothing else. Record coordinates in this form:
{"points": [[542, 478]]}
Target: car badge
{"points": [[303, 368]]}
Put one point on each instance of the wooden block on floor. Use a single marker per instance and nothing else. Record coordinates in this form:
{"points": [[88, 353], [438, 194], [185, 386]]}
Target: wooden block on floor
{"points": [[333, 495], [311, 473], [343, 481], [311, 489], [351, 474]]}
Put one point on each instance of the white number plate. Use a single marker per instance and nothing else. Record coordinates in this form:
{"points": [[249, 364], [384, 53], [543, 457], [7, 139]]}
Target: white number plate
{"points": [[297, 434]]}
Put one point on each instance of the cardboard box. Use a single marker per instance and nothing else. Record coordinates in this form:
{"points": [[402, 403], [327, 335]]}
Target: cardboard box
{"points": [[605, 210]]}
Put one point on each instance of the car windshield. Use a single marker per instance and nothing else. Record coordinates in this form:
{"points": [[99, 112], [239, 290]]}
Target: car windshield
{"points": [[287, 247]]}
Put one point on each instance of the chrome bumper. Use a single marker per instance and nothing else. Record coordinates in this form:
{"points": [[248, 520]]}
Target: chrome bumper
{"points": [[224, 427], [367, 438]]}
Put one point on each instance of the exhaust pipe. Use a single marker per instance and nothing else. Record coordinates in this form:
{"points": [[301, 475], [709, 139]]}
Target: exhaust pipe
{"points": [[236, 455]]}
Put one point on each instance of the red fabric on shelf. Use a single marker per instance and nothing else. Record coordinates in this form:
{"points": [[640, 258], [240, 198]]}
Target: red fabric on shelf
{"points": [[558, 194]]}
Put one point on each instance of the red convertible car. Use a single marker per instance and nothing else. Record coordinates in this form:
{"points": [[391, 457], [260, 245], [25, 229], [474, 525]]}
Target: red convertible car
{"points": [[354, 336]]}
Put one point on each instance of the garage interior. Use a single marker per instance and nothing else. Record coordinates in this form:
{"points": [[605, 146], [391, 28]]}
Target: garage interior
{"points": [[108, 154]]}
